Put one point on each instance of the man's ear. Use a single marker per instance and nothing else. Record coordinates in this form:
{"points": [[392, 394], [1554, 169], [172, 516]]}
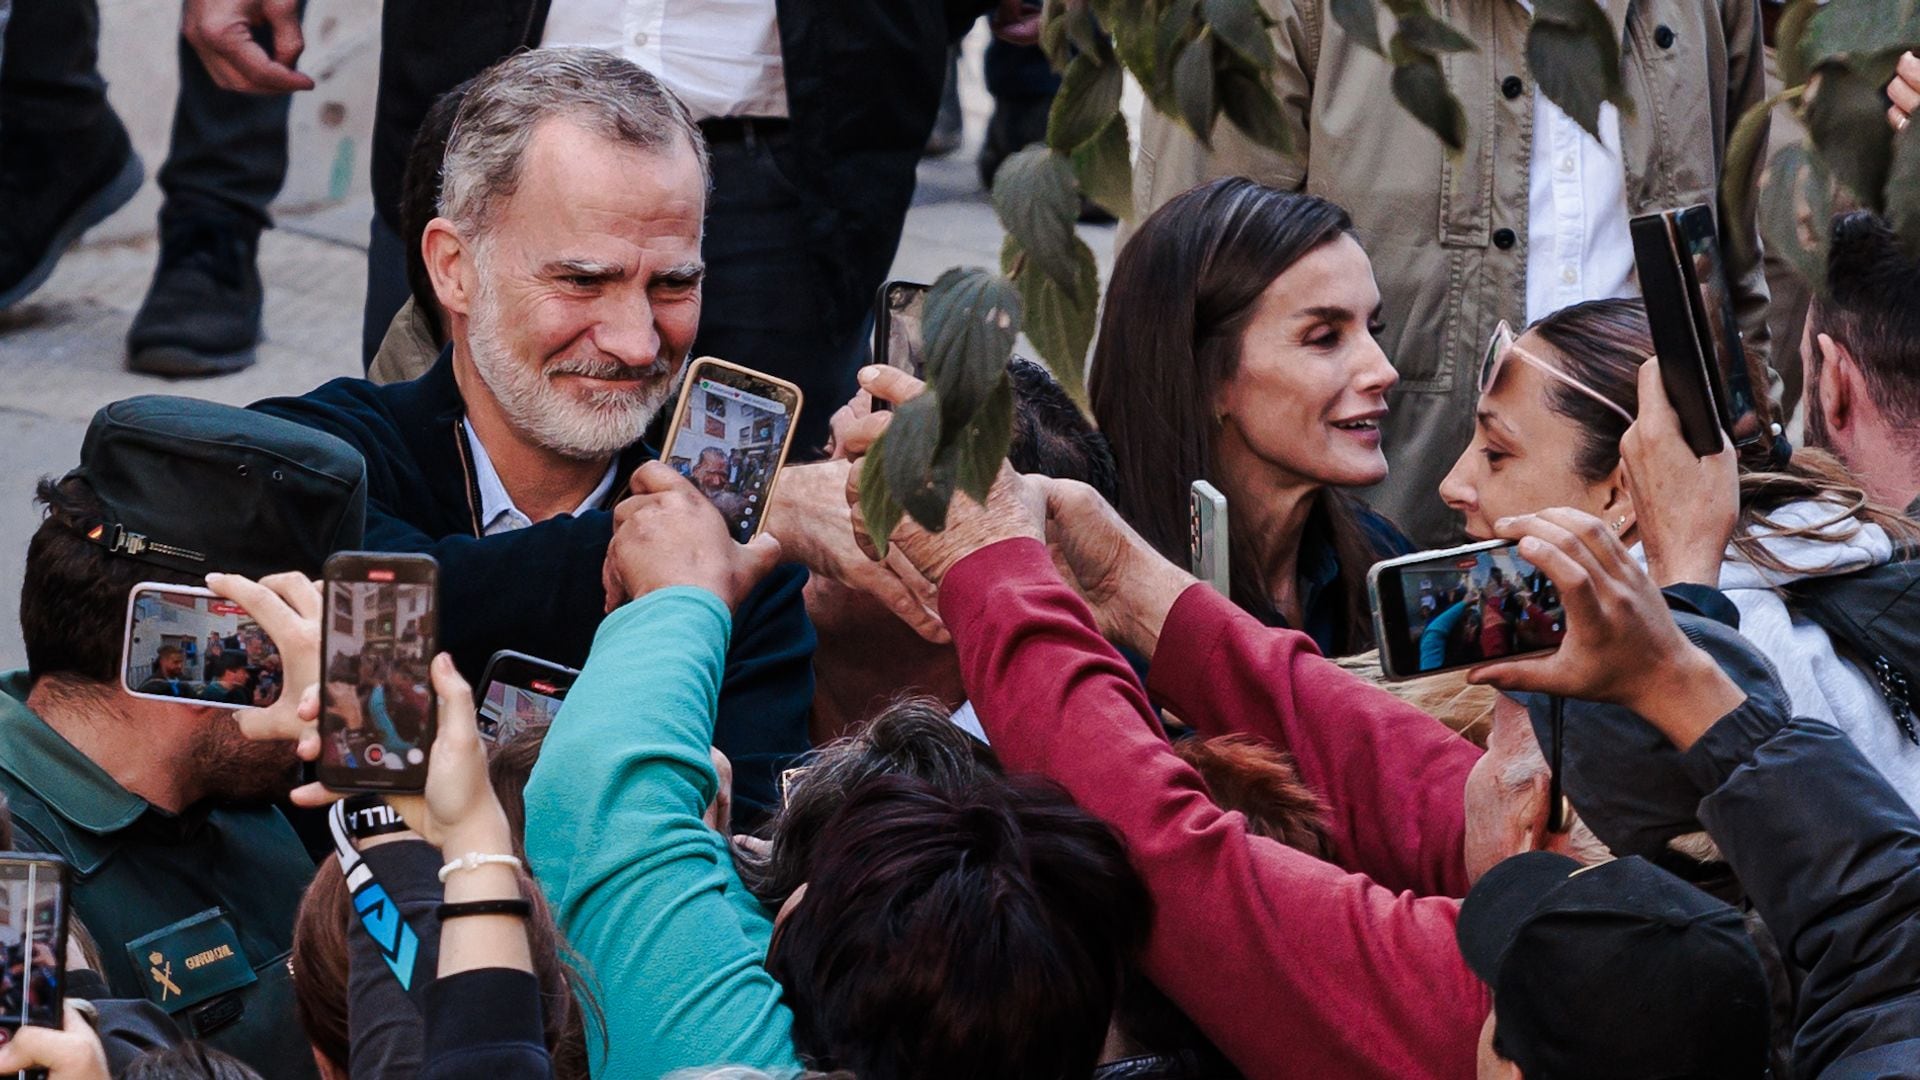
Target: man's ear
{"points": [[449, 260], [1839, 382]]}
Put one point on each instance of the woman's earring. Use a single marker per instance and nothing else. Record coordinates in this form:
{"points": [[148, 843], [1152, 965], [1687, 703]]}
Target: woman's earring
{"points": [[1619, 523]]}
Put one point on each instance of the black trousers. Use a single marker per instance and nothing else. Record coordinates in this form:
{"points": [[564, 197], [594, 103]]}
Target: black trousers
{"points": [[763, 306], [228, 155]]}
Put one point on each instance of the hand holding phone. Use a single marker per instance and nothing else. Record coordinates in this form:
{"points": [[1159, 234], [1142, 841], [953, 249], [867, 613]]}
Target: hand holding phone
{"points": [[670, 537], [378, 636], [1685, 507], [1444, 610], [1682, 344], [730, 436]]}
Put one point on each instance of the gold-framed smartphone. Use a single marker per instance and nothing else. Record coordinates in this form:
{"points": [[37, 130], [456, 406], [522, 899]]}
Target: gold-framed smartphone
{"points": [[730, 435]]}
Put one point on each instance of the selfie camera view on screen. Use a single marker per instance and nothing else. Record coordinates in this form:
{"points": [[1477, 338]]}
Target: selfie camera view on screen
{"points": [[184, 642], [731, 437], [1455, 609], [33, 940], [378, 721]]}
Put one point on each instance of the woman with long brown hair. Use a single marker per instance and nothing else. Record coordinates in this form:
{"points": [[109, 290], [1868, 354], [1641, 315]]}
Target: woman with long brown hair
{"points": [[1237, 347]]}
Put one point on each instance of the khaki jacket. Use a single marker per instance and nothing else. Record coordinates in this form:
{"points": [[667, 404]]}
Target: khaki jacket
{"points": [[1448, 233]]}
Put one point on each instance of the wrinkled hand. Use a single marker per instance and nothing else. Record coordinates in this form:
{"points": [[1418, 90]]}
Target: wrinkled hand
{"points": [[221, 31], [1622, 645], [1685, 506], [288, 607], [1904, 91], [667, 533], [1124, 580], [458, 811], [810, 516], [1014, 507], [844, 420], [70, 1052]]}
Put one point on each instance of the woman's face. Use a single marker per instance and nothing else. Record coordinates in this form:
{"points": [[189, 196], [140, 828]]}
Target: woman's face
{"points": [[1521, 459], [1312, 383]]}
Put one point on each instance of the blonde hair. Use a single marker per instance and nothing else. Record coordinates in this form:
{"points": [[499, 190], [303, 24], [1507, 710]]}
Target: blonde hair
{"points": [[1447, 696]]}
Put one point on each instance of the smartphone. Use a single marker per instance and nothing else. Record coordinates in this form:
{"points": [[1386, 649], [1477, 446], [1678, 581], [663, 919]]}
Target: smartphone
{"points": [[1442, 610], [898, 319], [33, 939], [1207, 552], [730, 436], [1697, 240], [186, 644], [378, 634], [518, 690], [1680, 342]]}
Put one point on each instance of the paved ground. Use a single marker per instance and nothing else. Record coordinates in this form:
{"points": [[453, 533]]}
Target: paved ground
{"points": [[62, 352]]}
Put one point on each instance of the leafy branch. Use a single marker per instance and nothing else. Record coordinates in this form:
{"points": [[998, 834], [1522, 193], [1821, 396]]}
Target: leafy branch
{"points": [[1196, 61]]}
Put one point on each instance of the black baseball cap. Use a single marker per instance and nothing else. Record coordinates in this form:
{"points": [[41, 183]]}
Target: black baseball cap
{"points": [[199, 487], [1619, 971]]}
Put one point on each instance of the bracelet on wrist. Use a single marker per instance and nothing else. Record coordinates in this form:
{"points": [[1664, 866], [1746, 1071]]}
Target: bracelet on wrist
{"points": [[473, 860], [518, 908]]}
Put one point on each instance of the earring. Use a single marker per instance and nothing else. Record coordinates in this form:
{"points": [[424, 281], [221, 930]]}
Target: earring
{"points": [[1619, 523]]}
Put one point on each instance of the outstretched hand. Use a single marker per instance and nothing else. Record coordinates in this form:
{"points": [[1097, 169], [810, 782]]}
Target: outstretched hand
{"points": [[1014, 507], [815, 526], [288, 607], [1622, 645], [1123, 579], [667, 533], [222, 32]]}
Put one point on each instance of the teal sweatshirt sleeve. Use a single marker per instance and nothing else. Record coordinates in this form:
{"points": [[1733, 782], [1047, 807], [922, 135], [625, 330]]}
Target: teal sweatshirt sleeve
{"points": [[675, 946]]}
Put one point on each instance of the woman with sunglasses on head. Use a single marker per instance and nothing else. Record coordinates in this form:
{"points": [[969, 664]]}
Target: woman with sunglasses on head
{"points": [[1237, 347], [1554, 406]]}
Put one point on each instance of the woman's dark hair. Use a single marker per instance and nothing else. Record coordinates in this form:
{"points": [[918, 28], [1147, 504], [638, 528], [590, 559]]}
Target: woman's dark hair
{"points": [[320, 959], [914, 736], [1602, 343], [420, 200], [982, 932], [1184, 290], [188, 1061]]}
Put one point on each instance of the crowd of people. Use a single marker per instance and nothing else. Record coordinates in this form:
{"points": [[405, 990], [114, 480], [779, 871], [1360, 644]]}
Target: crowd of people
{"points": [[1020, 797]]}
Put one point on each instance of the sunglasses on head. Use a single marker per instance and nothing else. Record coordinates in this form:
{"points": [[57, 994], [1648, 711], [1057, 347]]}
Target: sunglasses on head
{"points": [[1501, 347]]}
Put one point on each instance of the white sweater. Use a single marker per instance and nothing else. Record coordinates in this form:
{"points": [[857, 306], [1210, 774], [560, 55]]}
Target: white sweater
{"points": [[1820, 683]]}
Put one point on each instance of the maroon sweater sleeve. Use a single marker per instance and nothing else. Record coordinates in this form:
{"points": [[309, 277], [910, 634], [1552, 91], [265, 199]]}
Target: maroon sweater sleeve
{"points": [[1291, 965], [1394, 778]]}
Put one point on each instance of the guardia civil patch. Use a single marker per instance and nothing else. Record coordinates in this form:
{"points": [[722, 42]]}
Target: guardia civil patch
{"points": [[194, 960]]}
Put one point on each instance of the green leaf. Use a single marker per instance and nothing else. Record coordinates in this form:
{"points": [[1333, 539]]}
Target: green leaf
{"points": [[972, 318], [1088, 97], [1193, 86], [1037, 198], [1422, 90], [1242, 27], [1430, 34], [1739, 181], [1053, 35], [1856, 28], [1083, 30], [878, 509], [1846, 119], [1575, 59], [1796, 192], [1105, 167], [1171, 34], [1060, 322], [1133, 43], [913, 443], [984, 441], [1361, 22], [1903, 189], [1790, 44], [1249, 102]]}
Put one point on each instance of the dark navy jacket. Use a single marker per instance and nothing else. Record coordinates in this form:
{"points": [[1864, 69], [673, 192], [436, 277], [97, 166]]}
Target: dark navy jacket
{"points": [[538, 590]]}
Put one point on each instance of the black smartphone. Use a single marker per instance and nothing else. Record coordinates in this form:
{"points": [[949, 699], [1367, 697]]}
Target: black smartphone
{"points": [[378, 635], [899, 322], [187, 645], [33, 938], [1680, 342], [1697, 240], [1441, 610], [518, 690], [730, 436]]}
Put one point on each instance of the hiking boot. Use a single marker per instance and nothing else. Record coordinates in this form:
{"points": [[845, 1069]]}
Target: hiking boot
{"points": [[54, 188], [202, 313]]}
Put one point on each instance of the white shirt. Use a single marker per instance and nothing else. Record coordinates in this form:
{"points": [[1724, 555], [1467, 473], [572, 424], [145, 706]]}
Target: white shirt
{"points": [[497, 512], [721, 57], [1578, 244]]}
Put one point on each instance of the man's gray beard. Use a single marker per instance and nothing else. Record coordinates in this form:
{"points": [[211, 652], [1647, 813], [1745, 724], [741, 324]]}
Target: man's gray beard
{"points": [[607, 423]]}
